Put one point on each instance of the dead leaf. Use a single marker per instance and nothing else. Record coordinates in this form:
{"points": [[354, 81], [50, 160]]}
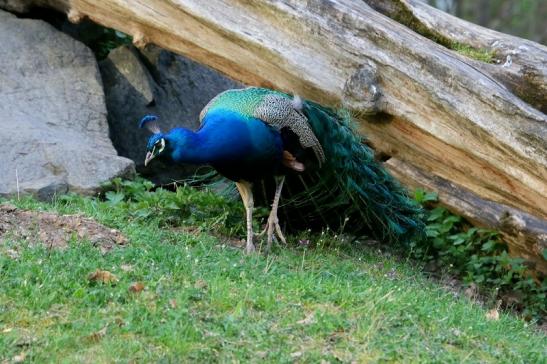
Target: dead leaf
{"points": [[136, 287], [26, 339], [173, 303], [13, 254], [7, 329], [493, 314], [127, 267], [102, 276], [96, 336], [472, 291], [118, 321], [261, 354], [200, 284], [19, 358], [308, 320], [296, 354], [341, 356]]}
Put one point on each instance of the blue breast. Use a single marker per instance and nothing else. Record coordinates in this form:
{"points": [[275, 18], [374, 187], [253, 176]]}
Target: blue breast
{"points": [[240, 147]]}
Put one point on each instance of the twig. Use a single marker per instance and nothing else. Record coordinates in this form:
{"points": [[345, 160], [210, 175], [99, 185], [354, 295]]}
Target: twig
{"points": [[17, 182]]}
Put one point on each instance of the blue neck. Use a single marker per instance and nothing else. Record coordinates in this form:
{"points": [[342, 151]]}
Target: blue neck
{"points": [[186, 147], [225, 138], [209, 145]]}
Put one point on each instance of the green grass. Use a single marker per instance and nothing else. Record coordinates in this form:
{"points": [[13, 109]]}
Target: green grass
{"points": [[206, 301]]}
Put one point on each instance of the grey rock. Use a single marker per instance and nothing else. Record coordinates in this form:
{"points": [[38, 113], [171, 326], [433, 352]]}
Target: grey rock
{"points": [[159, 82], [129, 91], [53, 128], [16, 6], [25, 6]]}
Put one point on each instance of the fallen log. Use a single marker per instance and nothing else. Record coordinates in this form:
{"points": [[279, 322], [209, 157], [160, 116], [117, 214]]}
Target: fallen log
{"points": [[455, 118], [523, 63]]}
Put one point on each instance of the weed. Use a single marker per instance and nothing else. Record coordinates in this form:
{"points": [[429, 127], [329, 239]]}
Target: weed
{"points": [[478, 256], [205, 209]]}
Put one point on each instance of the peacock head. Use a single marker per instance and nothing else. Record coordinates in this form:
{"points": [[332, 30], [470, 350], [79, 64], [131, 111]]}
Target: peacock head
{"points": [[156, 143]]}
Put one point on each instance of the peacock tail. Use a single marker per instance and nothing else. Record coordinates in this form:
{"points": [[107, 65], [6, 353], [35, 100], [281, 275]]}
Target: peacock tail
{"points": [[343, 185], [352, 189]]}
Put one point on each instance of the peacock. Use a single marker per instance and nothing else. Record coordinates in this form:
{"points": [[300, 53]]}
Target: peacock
{"points": [[264, 139]]}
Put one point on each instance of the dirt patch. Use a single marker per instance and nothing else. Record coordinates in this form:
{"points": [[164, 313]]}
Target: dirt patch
{"points": [[54, 230]]}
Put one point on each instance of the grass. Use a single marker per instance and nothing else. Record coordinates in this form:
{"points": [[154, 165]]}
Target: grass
{"points": [[206, 301]]}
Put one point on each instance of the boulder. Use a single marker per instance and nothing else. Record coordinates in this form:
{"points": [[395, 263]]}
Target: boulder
{"points": [[16, 6], [155, 81], [54, 134]]}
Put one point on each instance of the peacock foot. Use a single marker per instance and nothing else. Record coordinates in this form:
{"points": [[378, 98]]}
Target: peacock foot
{"points": [[272, 226]]}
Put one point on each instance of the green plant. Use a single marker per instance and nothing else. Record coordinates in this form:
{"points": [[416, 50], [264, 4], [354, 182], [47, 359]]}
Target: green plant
{"points": [[478, 256], [185, 206], [107, 41]]}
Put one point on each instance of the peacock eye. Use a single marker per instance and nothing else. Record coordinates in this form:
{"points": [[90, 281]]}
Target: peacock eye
{"points": [[160, 145]]}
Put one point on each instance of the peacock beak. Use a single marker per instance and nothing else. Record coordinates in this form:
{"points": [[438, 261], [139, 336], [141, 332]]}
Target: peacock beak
{"points": [[149, 157]]}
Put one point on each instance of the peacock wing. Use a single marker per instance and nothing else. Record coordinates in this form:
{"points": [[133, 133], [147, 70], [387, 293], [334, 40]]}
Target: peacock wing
{"points": [[282, 112], [274, 108]]}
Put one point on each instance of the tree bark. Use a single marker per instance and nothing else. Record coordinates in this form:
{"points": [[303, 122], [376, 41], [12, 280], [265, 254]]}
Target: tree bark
{"points": [[523, 63], [476, 125]]}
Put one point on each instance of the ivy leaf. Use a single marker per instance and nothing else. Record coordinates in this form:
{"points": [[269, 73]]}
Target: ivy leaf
{"points": [[419, 195], [489, 245], [459, 241], [453, 219], [436, 214], [432, 232], [143, 213], [114, 198], [172, 206]]}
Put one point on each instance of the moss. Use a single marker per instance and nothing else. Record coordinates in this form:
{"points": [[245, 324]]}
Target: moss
{"points": [[404, 16], [483, 55]]}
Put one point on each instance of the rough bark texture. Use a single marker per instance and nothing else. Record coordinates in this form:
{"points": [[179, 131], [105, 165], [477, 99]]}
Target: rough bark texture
{"points": [[523, 63], [476, 125]]}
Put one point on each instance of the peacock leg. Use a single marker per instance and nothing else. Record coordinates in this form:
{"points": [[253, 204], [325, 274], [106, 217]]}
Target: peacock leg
{"points": [[273, 221], [246, 192]]}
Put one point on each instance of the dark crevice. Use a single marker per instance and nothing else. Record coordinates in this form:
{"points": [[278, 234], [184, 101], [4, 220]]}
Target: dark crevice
{"points": [[379, 118], [382, 157]]}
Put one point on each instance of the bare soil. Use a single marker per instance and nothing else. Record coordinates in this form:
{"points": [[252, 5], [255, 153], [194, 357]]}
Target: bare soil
{"points": [[54, 230]]}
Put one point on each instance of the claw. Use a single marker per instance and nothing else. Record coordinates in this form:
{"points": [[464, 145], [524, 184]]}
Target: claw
{"points": [[273, 229], [273, 222]]}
